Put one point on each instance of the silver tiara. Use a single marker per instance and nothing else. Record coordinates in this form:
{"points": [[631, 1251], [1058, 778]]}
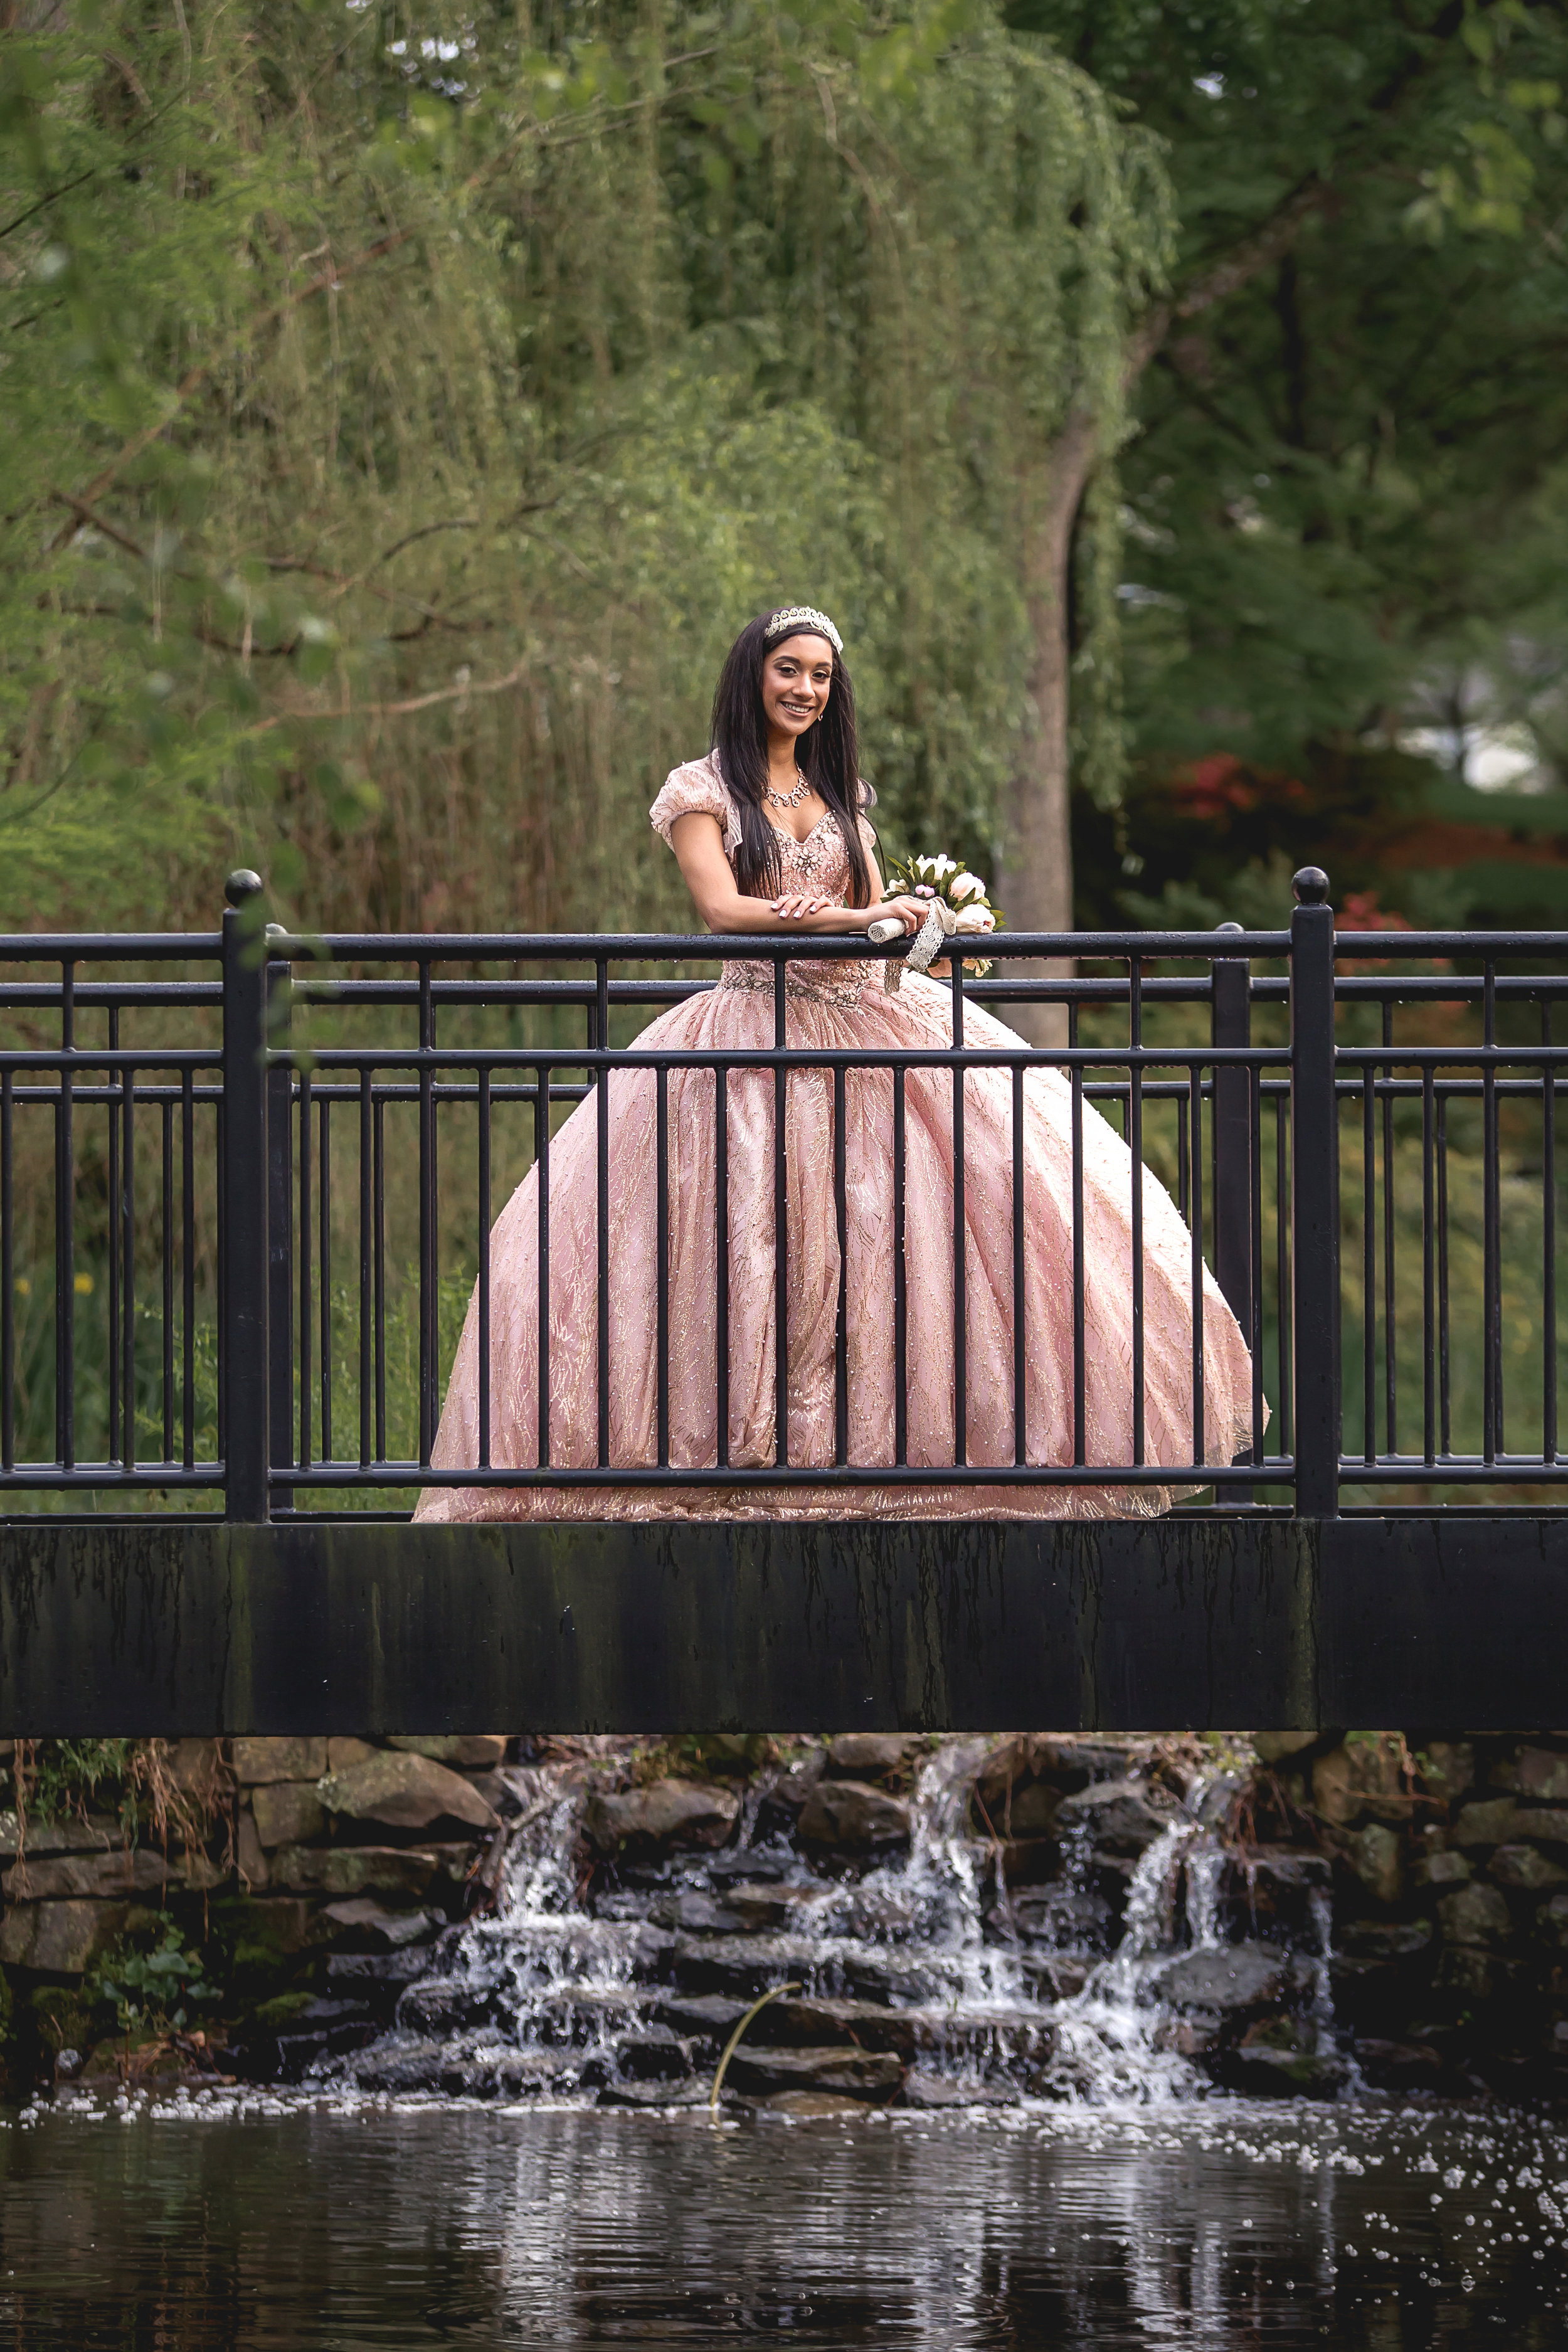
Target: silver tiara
{"points": [[804, 616]]}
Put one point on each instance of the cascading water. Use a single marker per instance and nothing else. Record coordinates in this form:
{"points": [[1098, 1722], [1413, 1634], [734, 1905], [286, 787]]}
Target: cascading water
{"points": [[1115, 2040], [1116, 1970]]}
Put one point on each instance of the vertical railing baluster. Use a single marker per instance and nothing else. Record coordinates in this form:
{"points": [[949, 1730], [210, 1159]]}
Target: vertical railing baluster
{"points": [[113, 1089], [483, 1079], [166, 1238], [1369, 1262], [960, 1232], [1020, 1355], [1445, 1385], [1548, 1242], [1255, 1320], [1492, 1247], [1234, 1163], [1314, 1198], [188, 1267], [242, 1337], [1184, 1204], [601, 1102], [721, 1257], [900, 1276], [367, 1315], [1428, 1268], [307, 1270], [126, 1206], [281, 1227], [541, 1303], [1135, 1145], [64, 1231], [429, 1307], [1080, 1351], [781, 1220], [662, 1252], [841, 1311], [325, 1293], [378, 1155], [1230, 1027], [1196, 1094], [1390, 1332]]}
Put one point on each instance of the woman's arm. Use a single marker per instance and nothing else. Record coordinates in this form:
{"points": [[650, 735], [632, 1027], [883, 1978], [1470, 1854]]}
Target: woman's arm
{"points": [[699, 846]]}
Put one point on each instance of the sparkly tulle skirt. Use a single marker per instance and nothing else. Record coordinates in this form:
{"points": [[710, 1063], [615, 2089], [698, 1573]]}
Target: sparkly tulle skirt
{"points": [[829, 1012]]}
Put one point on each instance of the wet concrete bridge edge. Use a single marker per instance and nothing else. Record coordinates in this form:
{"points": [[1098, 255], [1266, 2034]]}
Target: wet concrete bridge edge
{"points": [[1223, 1622]]}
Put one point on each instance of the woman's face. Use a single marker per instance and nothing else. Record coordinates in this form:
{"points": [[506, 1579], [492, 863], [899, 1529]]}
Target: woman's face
{"points": [[797, 678]]}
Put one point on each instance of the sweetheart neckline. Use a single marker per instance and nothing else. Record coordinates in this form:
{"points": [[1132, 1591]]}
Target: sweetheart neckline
{"points": [[798, 841]]}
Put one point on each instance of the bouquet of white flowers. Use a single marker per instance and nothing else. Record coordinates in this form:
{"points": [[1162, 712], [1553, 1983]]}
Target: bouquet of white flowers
{"points": [[965, 897]]}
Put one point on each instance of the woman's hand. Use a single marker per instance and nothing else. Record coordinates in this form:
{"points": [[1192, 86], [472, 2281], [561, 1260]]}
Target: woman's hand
{"points": [[796, 903], [911, 912]]}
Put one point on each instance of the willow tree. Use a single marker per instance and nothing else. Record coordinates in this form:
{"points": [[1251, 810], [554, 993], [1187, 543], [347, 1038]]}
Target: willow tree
{"points": [[950, 235], [407, 404]]}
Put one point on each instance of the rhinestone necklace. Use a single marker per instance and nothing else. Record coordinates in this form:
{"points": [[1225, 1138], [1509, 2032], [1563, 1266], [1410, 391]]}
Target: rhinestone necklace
{"points": [[788, 800]]}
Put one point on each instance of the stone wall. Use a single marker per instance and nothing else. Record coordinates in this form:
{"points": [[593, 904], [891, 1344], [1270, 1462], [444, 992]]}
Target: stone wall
{"points": [[279, 1856], [328, 1868], [1450, 1897]]}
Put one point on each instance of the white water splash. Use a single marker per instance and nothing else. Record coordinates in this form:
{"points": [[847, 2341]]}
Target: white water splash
{"points": [[1116, 2041]]}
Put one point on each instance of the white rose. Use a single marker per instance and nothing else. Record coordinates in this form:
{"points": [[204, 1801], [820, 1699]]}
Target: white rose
{"points": [[940, 866], [974, 919], [965, 885]]}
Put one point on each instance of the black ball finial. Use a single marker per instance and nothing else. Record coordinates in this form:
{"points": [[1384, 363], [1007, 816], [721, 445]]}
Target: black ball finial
{"points": [[1310, 886], [242, 884]]}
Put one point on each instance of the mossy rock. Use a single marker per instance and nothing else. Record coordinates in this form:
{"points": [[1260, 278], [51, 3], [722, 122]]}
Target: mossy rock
{"points": [[282, 2009], [63, 2019]]}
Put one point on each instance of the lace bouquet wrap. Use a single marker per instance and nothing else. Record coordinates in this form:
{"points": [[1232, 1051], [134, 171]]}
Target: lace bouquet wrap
{"points": [[959, 904]]}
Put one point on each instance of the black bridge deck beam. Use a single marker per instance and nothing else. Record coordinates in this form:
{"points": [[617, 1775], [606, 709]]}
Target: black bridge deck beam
{"points": [[1216, 1622]]}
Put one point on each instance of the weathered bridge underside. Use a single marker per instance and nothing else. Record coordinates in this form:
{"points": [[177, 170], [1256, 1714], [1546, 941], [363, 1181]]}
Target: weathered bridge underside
{"points": [[121, 1627]]}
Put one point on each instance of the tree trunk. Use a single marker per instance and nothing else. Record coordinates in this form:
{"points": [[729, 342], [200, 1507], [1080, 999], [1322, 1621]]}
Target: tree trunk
{"points": [[1035, 887]]}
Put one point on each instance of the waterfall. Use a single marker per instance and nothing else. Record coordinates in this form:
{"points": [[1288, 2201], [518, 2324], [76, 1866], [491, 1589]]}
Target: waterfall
{"points": [[1116, 2040], [1121, 1969]]}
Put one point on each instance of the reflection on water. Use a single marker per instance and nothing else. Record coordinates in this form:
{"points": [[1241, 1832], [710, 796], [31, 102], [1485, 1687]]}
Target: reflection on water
{"points": [[243, 2224]]}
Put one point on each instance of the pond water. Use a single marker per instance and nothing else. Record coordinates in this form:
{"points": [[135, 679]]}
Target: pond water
{"points": [[241, 2222]]}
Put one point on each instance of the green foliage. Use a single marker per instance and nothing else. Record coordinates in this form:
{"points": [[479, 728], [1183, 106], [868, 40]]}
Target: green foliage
{"points": [[58, 1777], [405, 410], [1344, 500], [61, 2019], [154, 1988]]}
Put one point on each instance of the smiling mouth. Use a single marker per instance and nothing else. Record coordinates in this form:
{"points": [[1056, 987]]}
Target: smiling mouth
{"points": [[798, 709]]}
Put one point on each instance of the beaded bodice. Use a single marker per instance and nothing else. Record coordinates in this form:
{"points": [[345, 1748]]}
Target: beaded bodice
{"points": [[819, 863]]}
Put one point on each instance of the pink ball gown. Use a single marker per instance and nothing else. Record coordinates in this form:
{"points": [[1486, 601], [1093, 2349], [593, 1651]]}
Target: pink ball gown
{"points": [[835, 1003]]}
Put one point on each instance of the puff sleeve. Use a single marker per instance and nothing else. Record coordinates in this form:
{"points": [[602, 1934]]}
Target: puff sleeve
{"points": [[696, 788]]}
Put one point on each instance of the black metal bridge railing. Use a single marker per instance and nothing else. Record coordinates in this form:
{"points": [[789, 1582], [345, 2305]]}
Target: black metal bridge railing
{"points": [[248, 1179]]}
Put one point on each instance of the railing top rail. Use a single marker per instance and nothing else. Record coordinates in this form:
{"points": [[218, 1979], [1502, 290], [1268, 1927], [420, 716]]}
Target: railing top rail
{"points": [[109, 947], [501, 946], [1409, 946], [661, 947]]}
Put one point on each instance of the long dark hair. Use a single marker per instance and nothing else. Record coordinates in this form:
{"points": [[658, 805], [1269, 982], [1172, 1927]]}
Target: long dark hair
{"points": [[826, 753]]}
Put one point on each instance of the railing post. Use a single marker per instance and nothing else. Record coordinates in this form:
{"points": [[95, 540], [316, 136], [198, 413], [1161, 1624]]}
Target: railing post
{"points": [[1314, 1199], [242, 1339], [1230, 1024], [279, 1234]]}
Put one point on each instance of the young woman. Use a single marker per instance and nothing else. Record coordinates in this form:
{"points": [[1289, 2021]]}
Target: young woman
{"points": [[771, 835]]}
